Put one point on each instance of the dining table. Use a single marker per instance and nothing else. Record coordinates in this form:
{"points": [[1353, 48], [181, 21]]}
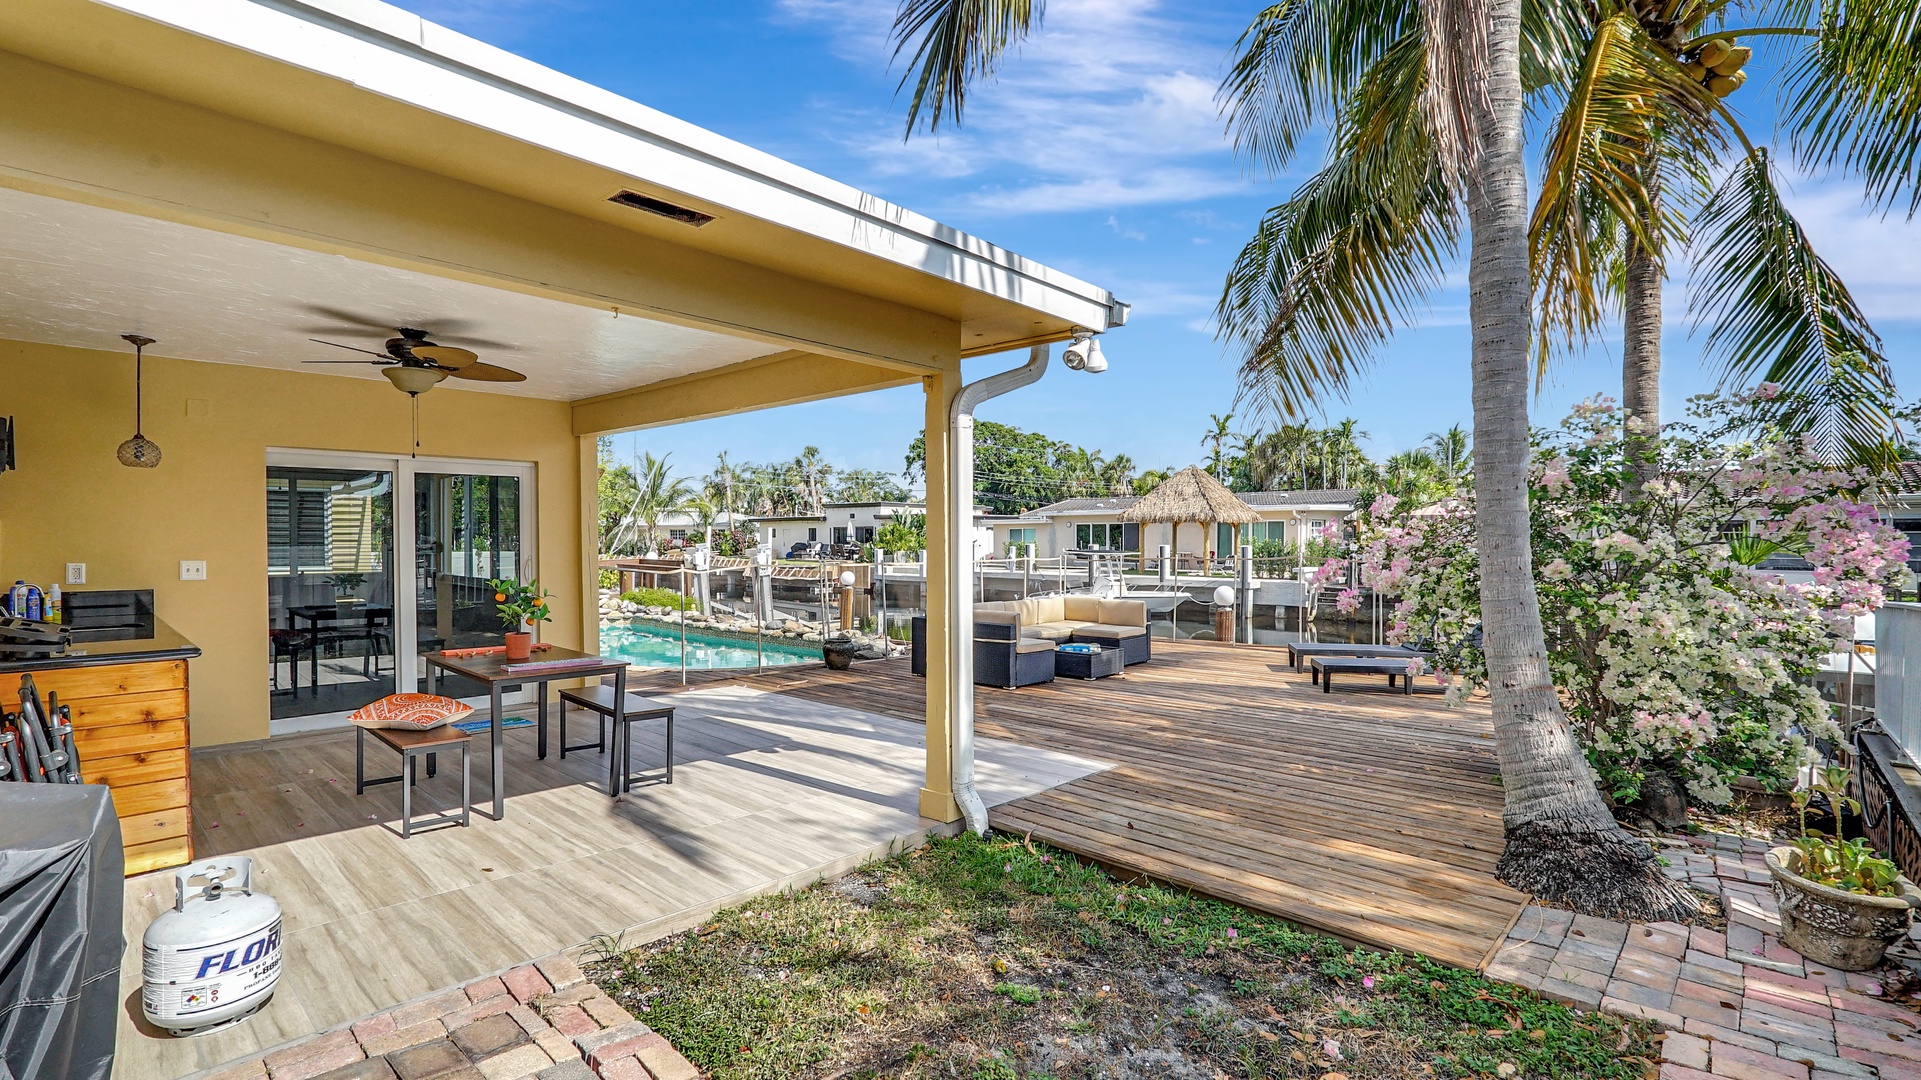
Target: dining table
{"points": [[549, 663]]}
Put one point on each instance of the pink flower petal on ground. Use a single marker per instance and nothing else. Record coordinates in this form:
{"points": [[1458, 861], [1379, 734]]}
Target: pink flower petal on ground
{"points": [[1332, 1048], [215, 825], [1232, 933], [1367, 981]]}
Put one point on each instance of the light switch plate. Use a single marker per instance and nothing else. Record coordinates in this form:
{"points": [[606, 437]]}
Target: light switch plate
{"points": [[76, 573], [193, 570]]}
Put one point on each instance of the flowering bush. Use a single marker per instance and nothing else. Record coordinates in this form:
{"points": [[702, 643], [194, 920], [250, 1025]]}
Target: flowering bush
{"points": [[1670, 651]]}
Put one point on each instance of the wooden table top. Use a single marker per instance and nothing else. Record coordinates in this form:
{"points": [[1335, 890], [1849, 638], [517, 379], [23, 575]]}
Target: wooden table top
{"points": [[493, 667]]}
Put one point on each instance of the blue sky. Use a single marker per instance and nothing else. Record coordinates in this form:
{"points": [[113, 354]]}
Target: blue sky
{"points": [[1098, 151]]}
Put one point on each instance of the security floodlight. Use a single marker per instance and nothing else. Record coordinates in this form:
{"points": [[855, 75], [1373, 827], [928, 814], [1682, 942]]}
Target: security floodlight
{"points": [[1096, 363]]}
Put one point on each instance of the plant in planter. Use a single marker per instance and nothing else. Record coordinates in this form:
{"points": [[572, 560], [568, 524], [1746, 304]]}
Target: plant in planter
{"points": [[1841, 904], [520, 605]]}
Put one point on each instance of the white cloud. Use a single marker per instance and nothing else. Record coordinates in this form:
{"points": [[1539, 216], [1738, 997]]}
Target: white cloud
{"points": [[1110, 105]]}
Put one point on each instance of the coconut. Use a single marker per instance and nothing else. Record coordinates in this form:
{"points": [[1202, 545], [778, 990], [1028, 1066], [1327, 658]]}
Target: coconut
{"points": [[1714, 52], [1732, 62], [1722, 85], [1696, 70]]}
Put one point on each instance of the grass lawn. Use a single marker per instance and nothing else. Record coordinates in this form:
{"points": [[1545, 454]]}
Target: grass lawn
{"points": [[991, 960]]}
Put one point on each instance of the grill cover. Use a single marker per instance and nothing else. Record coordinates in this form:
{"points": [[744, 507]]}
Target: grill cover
{"points": [[60, 933]]}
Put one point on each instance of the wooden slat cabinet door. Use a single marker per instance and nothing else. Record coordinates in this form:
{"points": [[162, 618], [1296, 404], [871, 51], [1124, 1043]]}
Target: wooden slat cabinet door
{"points": [[130, 729]]}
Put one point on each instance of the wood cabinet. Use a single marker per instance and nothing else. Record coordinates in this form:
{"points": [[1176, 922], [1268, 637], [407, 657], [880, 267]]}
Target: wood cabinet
{"points": [[130, 726]]}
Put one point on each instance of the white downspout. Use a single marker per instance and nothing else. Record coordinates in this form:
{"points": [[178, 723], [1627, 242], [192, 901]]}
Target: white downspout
{"points": [[960, 579]]}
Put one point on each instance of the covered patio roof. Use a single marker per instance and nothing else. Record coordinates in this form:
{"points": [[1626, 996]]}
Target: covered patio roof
{"points": [[237, 174]]}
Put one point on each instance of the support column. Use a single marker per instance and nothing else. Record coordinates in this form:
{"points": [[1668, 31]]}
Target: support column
{"points": [[937, 795], [589, 547]]}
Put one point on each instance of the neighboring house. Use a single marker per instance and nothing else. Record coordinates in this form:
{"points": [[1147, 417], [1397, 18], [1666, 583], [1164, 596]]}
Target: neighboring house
{"points": [[854, 523], [1078, 525], [1904, 509]]}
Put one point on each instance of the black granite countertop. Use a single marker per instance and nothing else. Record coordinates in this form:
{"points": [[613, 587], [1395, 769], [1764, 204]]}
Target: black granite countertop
{"points": [[164, 643]]}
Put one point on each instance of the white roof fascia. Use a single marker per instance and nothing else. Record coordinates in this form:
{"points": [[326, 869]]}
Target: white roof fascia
{"points": [[385, 50]]}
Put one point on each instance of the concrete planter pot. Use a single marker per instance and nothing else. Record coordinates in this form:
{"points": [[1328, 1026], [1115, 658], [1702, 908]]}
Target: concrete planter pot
{"points": [[1842, 930], [839, 652]]}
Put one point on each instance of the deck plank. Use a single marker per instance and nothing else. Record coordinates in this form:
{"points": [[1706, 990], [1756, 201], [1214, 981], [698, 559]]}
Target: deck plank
{"points": [[1372, 816]]}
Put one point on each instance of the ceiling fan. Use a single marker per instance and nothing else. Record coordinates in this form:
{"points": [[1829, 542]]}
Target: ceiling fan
{"points": [[415, 363]]}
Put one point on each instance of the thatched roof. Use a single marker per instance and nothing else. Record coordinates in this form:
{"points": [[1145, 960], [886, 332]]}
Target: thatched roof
{"points": [[1191, 495]]}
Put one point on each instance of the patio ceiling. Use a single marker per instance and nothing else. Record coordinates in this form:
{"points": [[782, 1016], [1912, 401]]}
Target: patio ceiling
{"points": [[80, 275]]}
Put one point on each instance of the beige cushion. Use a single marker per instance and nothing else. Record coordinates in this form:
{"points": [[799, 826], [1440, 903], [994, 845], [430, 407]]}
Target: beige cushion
{"points": [[985, 614], [1123, 613], [1033, 645], [1106, 630], [1048, 631], [1085, 609]]}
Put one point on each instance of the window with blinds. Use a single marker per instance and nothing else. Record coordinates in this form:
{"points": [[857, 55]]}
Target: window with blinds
{"points": [[298, 528]]}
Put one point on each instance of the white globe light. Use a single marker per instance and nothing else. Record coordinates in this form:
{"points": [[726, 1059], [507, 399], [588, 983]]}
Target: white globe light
{"points": [[846, 578], [1224, 596]]}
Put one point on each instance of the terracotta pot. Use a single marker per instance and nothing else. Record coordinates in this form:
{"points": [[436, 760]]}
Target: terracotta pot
{"points": [[1842, 930], [838, 652], [520, 645]]}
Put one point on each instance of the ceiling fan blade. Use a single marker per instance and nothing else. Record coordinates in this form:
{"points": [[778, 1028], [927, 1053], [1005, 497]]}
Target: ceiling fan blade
{"points": [[353, 348], [487, 373], [369, 363], [355, 324], [446, 356]]}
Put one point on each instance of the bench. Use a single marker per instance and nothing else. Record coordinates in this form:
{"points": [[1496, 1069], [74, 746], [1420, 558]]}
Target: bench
{"points": [[1394, 667], [412, 746], [1297, 651], [599, 699]]}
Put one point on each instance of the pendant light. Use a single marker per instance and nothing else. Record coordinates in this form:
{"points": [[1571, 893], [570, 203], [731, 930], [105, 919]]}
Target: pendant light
{"points": [[138, 452]]}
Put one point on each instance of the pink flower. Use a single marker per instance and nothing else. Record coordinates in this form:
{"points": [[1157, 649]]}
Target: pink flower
{"points": [[1367, 982]]}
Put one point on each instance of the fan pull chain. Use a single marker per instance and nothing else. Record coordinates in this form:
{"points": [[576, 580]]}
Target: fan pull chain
{"points": [[415, 452]]}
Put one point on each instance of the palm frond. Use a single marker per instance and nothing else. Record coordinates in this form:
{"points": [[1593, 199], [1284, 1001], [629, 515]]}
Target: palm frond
{"points": [[1779, 313], [955, 44], [1297, 62], [1629, 123], [1854, 96], [1355, 250]]}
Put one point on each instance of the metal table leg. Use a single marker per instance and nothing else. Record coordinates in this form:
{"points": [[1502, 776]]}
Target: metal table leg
{"points": [[540, 691], [499, 755]]}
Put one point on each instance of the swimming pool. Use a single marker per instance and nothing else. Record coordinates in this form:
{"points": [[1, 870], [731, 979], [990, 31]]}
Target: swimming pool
{"points": [[656, 647]]}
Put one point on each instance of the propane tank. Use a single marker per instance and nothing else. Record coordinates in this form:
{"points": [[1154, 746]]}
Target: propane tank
{"points": [[213, 960]]}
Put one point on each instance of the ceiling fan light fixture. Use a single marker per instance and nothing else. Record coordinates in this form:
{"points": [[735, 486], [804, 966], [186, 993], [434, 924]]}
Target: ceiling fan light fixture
{"points": [[413, 380]]}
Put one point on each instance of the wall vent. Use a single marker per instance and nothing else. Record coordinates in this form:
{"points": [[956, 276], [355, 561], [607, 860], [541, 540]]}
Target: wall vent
{"points": [[665, 209]]}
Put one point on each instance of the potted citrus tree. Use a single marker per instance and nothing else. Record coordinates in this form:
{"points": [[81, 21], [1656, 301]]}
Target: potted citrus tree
{"points": [[520, 605], [1841, 904]]}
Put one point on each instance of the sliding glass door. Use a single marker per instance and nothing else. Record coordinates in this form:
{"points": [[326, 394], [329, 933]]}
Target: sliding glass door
{"points": [[341, 609], [466, 533], [330, 589]]}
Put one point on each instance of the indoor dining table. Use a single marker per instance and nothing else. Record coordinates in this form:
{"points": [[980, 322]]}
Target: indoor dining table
{"points": [[491, 668]]}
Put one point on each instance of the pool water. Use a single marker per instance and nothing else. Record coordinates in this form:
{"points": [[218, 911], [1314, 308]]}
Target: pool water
{"points": [[653, 647]]}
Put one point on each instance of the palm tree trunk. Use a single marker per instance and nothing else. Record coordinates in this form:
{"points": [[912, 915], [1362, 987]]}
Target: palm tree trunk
{"points": [[1641, 350], [1562, 843]]}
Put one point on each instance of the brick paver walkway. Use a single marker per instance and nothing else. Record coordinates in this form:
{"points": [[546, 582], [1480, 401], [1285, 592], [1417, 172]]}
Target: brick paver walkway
{"points": [[1737, 1003], [542, 1020]]}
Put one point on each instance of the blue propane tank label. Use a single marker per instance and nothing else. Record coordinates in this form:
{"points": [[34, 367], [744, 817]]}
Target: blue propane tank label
{"points": [[180, 982]]}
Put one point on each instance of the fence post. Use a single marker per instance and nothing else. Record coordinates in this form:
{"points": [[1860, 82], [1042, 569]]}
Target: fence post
{"points": [[683, 626]]}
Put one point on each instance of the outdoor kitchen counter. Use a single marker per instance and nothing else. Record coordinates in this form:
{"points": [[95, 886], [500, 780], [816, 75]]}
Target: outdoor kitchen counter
{"points": [[165, 643], [129, 703]]}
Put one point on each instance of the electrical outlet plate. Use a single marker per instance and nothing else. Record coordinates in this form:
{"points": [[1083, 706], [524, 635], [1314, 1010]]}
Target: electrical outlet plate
{"points": [[193, 570], [76, 573]]}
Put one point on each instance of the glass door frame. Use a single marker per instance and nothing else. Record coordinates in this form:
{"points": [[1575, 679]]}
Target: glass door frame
{"points": [[406, 529]]}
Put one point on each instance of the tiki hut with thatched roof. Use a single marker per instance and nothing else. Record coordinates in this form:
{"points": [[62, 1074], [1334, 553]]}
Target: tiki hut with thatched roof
{"points": [[1192, 495]]}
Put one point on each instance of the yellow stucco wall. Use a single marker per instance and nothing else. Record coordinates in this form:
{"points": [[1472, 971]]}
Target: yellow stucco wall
{"points": [[72, 501]]}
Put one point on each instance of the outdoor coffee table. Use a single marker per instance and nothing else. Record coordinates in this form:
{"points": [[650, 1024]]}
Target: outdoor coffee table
{"points": [[1098, 663], [496, 672], [1393, 667], [1300, 651]]}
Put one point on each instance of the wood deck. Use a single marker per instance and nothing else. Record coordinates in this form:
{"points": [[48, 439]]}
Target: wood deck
{"points": [[1368, 815]]}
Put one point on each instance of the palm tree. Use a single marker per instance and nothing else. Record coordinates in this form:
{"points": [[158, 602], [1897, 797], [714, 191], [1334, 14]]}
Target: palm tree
{"points": [[1452, 452], [660, 493], [1216, 435], [1426, 102]]}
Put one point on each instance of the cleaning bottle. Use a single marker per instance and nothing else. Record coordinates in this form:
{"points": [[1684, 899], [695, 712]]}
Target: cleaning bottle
{"points": [[53, 603]]}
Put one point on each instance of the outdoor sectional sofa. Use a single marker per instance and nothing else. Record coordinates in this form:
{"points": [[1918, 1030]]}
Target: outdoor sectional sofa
{"points": [[1014, 640]]}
